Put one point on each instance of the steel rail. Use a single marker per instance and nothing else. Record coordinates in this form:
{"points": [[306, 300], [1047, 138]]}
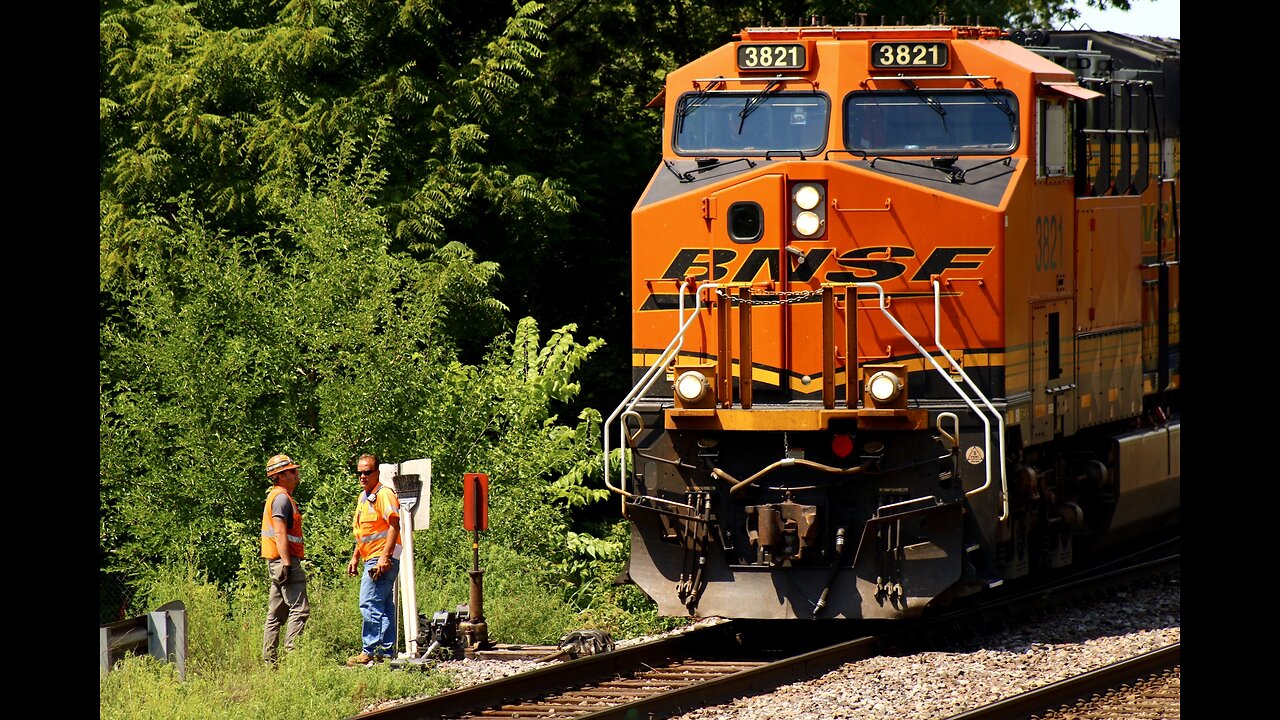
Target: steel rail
{"points": [[598, 678], [1072, 689], [574, 673]]}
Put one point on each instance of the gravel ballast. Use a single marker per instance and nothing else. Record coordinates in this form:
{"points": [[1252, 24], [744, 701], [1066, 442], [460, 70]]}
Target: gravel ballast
{"points": [[946, 680]]}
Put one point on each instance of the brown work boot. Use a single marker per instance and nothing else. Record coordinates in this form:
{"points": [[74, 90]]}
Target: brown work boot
{"points": [[361, 659]]}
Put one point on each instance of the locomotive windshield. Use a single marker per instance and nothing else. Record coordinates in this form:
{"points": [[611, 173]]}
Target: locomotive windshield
{"points": [[733, 123], [931, 122]]}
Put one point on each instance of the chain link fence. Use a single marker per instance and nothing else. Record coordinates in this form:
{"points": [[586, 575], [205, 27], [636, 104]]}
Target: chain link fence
{"points": [[114, 598]]}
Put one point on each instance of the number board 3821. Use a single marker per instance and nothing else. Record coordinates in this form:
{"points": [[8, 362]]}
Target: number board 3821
{"points": [[772, 56], [910, 55]]}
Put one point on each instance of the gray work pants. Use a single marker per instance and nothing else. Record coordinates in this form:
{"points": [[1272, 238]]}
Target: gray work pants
{"points": [[285, 602]]}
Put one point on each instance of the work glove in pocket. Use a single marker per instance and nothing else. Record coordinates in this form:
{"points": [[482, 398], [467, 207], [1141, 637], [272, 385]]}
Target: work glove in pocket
{"points": [[280, 575]]}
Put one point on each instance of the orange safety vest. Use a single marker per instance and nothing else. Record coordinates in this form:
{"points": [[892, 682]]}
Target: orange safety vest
{"points": [[269, 550], [370, 523]]}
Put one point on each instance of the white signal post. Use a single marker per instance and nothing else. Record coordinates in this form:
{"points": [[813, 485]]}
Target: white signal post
{"points": [[411, 481]]}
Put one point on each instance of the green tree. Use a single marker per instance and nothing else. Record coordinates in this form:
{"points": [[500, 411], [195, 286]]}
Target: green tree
{"points": [[229, 103], [321, 341]]}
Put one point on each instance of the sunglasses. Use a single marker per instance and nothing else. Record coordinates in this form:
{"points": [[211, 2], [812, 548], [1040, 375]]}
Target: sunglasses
{"points": [[362, 473]]}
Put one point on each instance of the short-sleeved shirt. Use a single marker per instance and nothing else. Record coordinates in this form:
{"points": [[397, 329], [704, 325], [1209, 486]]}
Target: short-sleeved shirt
{"points": [[283, 509]]}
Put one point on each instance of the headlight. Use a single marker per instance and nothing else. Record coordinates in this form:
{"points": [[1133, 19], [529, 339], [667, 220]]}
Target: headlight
{"points": [[692, 386], [884, 386], [808, 223], [808, 210], [808, 196]]}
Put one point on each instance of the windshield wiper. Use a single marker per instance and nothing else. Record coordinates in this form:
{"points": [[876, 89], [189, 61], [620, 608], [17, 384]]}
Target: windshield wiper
{"points": [[703, 165], [931, 102], [694, 103], [755, 100], [944, 164], [1004, 107]]}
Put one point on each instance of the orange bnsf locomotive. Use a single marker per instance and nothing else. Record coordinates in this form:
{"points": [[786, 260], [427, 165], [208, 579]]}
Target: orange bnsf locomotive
{"points": [[905, 318]]}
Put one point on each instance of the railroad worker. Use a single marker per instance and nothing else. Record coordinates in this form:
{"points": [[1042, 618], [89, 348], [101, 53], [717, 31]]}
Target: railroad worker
{"points": [[283, 548], [376, 526]]}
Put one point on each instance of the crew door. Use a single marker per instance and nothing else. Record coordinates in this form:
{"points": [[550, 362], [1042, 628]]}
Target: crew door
{"points": [[1053, 381]]}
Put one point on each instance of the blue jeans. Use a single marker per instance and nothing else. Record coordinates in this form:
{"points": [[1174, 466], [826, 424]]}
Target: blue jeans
{"points": [[378, 608]]}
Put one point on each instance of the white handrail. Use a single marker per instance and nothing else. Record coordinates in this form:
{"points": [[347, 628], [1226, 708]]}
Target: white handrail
{"points": [[673, 348], [981, 416], [647, 380], [937, 340], [955, 423]]}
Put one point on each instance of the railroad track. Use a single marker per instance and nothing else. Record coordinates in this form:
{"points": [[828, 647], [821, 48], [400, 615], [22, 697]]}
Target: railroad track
{"points": [[667, 676], [1136, 689], [713, 665]]}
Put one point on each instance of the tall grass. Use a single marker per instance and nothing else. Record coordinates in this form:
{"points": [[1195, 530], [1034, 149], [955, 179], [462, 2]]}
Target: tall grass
{"points": [[226, 677]]}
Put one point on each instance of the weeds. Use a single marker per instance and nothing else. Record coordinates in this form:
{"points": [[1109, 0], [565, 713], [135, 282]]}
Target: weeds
{"points": [[226, 677]]}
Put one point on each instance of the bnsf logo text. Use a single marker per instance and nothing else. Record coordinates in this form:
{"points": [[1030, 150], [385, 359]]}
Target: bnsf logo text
{"points": [[865, 264]]}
